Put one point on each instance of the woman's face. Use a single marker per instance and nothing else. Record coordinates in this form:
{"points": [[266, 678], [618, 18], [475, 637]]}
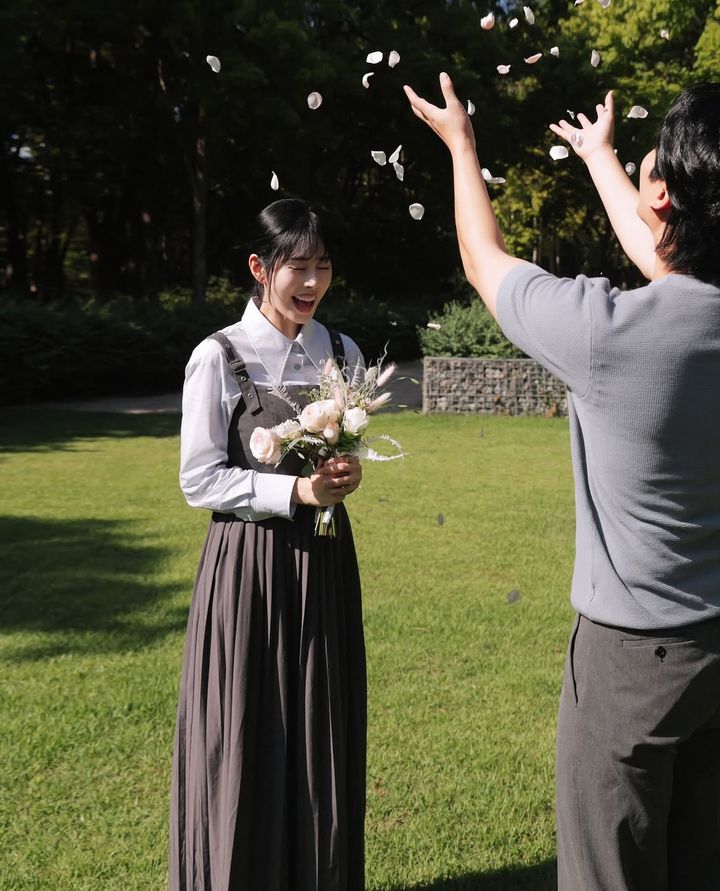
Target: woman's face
{"points": [[295, 292]]}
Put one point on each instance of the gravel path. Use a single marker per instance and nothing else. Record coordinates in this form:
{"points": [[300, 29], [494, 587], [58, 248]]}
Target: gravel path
{"points": [[406, 394]]}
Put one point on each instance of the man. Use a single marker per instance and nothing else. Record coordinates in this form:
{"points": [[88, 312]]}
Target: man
{"points": [[638, 748]]}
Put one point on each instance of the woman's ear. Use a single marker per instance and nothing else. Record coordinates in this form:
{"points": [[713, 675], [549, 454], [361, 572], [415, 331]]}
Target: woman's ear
{"points": [[257, 269]]}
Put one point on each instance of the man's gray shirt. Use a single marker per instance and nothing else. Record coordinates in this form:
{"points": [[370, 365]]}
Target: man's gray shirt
{"points": [[643, 374]]}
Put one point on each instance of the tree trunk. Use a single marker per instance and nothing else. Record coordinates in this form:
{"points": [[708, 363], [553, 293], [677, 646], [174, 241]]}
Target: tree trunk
{"points": [[198, 171]]}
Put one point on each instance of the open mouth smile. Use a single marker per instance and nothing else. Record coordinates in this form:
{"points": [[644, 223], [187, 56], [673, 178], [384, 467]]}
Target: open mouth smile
{"points": [[304, 304]]}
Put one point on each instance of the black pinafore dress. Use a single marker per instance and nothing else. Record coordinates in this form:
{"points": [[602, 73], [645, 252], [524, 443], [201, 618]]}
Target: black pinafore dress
{"points": [[268, 781]]}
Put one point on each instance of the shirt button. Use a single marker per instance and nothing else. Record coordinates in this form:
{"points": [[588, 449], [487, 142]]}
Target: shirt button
{"points": [[297, 366]]}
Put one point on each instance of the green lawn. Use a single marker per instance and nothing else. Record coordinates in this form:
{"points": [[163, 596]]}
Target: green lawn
{"points": [[98, 553]]}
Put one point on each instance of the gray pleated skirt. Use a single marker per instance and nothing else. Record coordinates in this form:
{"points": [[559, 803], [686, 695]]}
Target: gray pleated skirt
{"points": [[268, 783]]}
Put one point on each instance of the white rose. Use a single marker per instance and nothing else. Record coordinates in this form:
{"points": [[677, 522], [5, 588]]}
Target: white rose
{"points": [[316, 416], [355, 420], [288, 429], [265, 445], [331, 433]]}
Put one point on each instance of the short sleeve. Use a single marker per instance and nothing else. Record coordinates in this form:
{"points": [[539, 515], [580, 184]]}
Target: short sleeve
{"points": [[551, 319]]}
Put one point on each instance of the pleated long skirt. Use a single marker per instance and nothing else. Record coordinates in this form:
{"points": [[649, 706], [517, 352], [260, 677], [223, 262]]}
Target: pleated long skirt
{"points": [[268, 783]]}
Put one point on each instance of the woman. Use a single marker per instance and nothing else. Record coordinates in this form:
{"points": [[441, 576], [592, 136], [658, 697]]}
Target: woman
{"points": [[268, 788]]}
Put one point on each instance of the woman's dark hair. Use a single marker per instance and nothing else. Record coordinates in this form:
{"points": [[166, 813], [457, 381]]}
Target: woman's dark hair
{"points": [[284, 229], [688, 160]]}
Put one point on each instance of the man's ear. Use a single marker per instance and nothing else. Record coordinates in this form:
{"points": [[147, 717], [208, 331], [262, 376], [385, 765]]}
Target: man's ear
{"points": [[660, 201], [257, 269]]}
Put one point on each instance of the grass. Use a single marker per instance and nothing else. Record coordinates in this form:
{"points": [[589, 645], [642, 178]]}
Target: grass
{"points": [[98, 557]]}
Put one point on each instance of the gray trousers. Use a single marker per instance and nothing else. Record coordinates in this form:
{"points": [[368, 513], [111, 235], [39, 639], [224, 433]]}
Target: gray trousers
{"points": [[638, 760]]}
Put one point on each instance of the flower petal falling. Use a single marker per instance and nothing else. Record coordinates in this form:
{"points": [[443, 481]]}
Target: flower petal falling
{"points": [[379, 158], [637, 111], [487, 22], [531, 60], [214, 63], [594, 58], [558, 152], [529, 15], [630, 168], [434, 326], [665, 34], [417, 211], [393, 58], [395, 155], [513, 23], [513, 596], [554, 50], [374, 58], [399, 170], [274, 182], [366, 79], [503, 69], [471, 108], [314, 101]]}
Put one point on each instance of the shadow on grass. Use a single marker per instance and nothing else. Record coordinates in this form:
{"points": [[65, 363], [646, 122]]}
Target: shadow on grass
{"points": [[80, 586], [35, 428], [542, 877]]}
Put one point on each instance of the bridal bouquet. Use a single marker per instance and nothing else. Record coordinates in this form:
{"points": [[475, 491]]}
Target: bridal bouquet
{"points": [[332, 424]]}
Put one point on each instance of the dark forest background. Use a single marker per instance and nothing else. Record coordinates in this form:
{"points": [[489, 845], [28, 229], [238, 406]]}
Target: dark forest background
{"points": [[130, 172]]}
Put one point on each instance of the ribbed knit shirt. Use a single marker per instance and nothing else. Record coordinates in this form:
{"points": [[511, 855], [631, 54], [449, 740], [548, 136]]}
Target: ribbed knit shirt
{"points": [[643, 374]]}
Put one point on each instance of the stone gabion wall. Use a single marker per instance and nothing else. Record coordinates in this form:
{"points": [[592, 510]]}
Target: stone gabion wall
{"points": [[498, 386]]}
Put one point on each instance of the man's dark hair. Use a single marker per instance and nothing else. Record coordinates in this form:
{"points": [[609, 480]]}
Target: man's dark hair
{"points": [[284, 229], [688, 159]]}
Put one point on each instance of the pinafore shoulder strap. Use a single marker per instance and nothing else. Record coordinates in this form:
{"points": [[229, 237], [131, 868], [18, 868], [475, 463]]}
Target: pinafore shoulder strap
{"points": [[237, 364]]}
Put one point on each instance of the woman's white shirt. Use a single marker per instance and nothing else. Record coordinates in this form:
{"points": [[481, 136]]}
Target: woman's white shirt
{"points": [[211, 394]]}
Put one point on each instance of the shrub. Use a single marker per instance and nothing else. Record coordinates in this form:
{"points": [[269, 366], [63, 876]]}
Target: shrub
{"points": [[85, 348], [466, 329]]}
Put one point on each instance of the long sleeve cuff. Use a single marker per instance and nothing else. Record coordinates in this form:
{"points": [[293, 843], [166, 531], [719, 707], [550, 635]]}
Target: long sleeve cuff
{"points": [[273, 494]]}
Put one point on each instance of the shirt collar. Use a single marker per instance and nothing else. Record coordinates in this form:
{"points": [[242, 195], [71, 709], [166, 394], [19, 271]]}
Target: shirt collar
{"points": [[273, 347]]}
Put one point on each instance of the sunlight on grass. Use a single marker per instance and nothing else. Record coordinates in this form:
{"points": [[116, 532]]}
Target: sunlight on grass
{"points": [[98, 557]]}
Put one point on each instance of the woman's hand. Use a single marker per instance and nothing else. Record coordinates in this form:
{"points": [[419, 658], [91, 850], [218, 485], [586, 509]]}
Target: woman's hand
{"points": [[451, 123], [330, 483], [589, 137]]}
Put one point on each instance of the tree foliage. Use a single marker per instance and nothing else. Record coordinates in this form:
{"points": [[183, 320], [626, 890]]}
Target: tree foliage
{"points": [[128, 166]]}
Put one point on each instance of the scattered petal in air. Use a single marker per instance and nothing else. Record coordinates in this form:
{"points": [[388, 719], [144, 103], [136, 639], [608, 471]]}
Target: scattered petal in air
{"points": [[399, 171], [417, 211], [630, 168], [274, 182], [395, 155], [637, 111], [214, 63], [531, 60], [314, 101], [571, 113], [379, 158], [513, 596], [529, 15], [366, 79], [604, 3], [471, 108], [665, 34], [513, 23], [487, 22], [490, 179], [374, 58], [503, 69], [594, 58], [557, 152], [486, 175], [393, 323], [25, 153], [393, 58], [435, 326], [578, 2], [441, 520], [554, 50]]}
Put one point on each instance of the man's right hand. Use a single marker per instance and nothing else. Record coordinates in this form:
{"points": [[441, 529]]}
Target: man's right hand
{"points": [[589, 137]]}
